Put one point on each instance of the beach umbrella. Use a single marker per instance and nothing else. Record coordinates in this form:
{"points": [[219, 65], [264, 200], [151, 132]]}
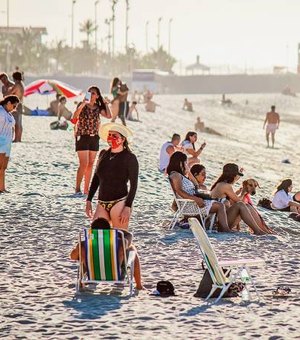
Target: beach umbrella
{"points": [[49, 86]]}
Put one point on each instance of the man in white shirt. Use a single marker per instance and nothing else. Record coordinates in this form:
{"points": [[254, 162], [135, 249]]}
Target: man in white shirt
{"points": [[167, 150]]}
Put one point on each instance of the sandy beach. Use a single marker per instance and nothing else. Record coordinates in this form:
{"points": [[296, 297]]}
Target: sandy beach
{"points": [[40, 220]]}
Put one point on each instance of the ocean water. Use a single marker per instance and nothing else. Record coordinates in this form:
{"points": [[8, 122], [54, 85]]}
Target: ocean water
{"points": [[40, 220]]}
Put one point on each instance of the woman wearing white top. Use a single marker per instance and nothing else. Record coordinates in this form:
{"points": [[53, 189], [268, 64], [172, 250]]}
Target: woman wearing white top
{"points": [[283, 200], [189, 148], [7, 123]]}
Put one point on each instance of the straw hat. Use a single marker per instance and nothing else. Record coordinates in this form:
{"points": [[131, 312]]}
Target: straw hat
{"points": [[123, 130]]}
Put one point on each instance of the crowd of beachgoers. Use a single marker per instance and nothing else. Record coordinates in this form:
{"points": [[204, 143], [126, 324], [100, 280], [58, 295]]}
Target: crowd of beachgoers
{"points": [[126, 165]]}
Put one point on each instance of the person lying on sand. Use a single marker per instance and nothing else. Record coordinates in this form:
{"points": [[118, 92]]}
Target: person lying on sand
{"points": [[102, 223], [199, 126], [223, 189]]}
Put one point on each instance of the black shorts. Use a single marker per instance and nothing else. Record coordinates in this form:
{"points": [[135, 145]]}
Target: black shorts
{"points": [[86, 142]]}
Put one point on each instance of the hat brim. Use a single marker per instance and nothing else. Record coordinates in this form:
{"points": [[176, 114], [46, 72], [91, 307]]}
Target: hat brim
{"points": [[123, 130]]}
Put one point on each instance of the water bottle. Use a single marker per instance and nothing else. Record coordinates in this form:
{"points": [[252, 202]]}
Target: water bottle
{"points": [[245, 279], [245, 276], [245, 294]]}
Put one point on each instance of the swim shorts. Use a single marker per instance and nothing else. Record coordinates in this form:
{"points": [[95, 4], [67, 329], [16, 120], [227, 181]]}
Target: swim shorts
{"points": [[87, 143], [271, 128]]}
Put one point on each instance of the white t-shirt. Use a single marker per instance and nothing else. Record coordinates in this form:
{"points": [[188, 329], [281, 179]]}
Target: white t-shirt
{"points": [[7, 122], [187, 145], [281, 199], [164, 157]]}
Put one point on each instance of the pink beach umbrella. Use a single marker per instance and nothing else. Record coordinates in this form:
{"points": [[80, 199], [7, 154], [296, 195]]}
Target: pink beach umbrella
{"points": [[49, 86]]}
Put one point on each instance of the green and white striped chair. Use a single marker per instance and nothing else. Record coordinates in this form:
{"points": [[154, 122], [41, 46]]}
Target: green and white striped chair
{"points": [[102, 263]]}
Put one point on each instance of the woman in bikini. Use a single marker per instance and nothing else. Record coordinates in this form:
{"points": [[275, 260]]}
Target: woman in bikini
{"points": [[87, 120], [116, 167], [222, 189]]}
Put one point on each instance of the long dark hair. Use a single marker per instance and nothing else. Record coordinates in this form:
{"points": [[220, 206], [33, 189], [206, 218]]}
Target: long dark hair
{"points": [[99, 100], [225, 177], [284, 185], [196, 169], [188, 135], [11, 98], [114, 83], [176, 163]]}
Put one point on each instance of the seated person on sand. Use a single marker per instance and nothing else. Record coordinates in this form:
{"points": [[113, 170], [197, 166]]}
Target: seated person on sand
{"points": [[222, 189], [283, 200], [167, 150], [288, 92], [225, 101], [185, 186], [62, 111], [102, 223], [188, 145], [187, 106], [151, 106], [53, 109], [148, 95], [132, 109]]}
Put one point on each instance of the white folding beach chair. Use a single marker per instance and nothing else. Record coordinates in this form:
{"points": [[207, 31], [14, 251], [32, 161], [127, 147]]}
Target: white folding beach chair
{"points": [[188, 207], [233, 268]]}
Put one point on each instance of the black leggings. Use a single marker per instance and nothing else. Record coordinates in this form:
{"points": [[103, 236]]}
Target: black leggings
{"points": [[123, 108]]}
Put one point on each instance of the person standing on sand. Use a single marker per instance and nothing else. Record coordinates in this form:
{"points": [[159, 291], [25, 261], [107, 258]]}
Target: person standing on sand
{"points": [[87, 120], [7, 84], [117, 167], [272, 120], [18, 90], [7, 123]]}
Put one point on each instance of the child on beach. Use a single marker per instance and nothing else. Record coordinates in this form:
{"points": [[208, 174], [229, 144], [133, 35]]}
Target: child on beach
{"points": [[102, 223]]}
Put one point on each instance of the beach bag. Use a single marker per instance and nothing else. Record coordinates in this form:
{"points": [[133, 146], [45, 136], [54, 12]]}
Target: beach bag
{"points": [[265, 203]]}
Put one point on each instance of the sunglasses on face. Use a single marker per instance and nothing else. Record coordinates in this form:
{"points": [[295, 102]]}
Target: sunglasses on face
{"points": [[94, 93]]}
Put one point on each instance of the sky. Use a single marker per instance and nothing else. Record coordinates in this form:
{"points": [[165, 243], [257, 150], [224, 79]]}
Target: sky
{"points": [[245, 33]]}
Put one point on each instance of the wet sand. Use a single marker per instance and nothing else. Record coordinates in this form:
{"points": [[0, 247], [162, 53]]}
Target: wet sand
{"points": [[40, 220]]}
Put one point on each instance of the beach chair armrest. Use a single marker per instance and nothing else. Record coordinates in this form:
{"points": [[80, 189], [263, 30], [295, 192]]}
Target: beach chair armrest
{"points": [[254, 262], [131, 258]]}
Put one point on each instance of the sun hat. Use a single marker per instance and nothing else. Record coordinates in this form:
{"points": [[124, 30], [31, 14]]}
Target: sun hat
{"points": [[231, 168], [123, 130]]}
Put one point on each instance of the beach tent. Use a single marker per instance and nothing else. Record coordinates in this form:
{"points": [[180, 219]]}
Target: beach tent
{"points": [[50, 86]]}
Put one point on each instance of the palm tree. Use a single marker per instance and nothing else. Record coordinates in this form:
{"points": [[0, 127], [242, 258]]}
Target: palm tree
{"points": [[88, 27]]}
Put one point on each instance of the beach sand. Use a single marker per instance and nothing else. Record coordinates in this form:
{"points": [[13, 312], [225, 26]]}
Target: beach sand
{"points": [[41, 218]]}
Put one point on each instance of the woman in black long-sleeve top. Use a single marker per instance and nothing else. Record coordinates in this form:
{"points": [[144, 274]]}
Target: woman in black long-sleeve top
{"points": [[116, 167]]}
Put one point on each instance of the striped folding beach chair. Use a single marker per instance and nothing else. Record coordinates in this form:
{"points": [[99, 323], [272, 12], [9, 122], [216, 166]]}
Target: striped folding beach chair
{"points": [[101, 247]]}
